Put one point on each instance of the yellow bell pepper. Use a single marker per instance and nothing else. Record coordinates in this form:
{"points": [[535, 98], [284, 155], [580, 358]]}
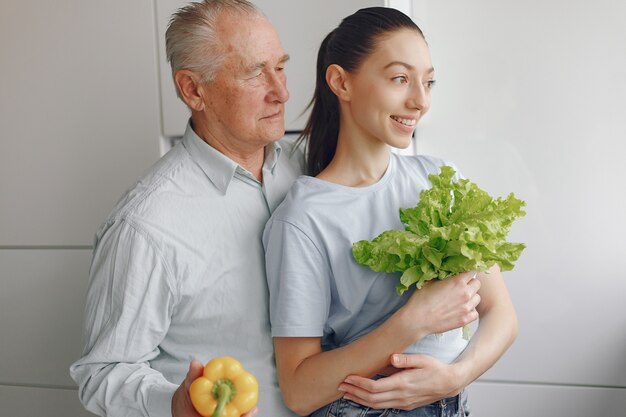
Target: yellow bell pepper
{"points": [[225, 389]]}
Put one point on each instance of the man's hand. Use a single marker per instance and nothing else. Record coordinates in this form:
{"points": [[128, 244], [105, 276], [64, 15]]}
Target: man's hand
{"points": [[421, 381], [181, 402]]}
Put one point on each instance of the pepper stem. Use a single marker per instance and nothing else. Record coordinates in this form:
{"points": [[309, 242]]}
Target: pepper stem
{"points": [[224, 394]]}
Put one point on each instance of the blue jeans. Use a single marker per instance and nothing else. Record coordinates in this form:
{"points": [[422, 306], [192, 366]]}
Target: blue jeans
{"points": [[448, 407]]}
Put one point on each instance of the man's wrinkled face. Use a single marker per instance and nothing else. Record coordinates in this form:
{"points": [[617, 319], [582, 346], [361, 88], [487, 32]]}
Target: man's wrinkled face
{"points": [[245, 101]]}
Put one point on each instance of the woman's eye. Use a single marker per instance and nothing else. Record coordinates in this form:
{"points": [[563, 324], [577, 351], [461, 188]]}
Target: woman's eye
{"points": [[400, 79]]}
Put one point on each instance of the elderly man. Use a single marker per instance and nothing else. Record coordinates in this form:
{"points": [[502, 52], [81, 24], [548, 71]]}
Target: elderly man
{"points": [[178, 274], [178, 268]]}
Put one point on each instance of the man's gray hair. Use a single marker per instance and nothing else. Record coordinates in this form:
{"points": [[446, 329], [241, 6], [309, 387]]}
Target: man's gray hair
{"points": [[191, 39]]}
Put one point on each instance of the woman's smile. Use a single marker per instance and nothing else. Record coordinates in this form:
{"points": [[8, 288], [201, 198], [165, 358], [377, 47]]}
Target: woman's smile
{"points": [[406, 124]]}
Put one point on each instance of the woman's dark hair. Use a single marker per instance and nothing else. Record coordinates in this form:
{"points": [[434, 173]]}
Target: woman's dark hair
{"points": [[347, 46]]}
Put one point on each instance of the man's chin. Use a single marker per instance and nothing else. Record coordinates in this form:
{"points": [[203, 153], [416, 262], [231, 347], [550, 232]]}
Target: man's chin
{"points": [[274, 135]]}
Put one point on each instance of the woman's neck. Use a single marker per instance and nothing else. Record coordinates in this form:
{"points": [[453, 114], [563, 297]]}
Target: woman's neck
{"points": [[357, 162]]}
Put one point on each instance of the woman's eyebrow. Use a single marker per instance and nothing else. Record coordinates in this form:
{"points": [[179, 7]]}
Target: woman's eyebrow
{"points": [[407, 66]]}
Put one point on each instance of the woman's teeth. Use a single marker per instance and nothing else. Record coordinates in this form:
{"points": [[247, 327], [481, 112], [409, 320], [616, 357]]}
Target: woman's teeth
{"points": [[406, 122]]}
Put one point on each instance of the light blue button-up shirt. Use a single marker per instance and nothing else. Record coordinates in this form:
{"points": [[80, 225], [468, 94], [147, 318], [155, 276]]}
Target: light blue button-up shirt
{"points": [[178, 273]]}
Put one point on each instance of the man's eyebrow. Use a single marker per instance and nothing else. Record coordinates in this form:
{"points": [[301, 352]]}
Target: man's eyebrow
{"points": [[407, 66], [263, 64]]}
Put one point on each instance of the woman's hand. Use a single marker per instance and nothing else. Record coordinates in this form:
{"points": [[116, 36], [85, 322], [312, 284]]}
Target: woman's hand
{"points": [[444, 305], [421, 381], [437, 307]]}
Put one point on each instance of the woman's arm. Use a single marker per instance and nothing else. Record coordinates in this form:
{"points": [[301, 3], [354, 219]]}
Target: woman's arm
{"points": [[424, 379], [310, 378], [496, 331]]}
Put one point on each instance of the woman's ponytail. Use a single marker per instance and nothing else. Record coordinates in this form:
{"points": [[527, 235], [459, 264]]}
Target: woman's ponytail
{"points": [[322, 128]]}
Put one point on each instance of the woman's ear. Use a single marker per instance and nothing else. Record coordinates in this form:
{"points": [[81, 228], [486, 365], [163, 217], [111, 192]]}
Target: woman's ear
{"points": [[190, 89], [338, 81]]}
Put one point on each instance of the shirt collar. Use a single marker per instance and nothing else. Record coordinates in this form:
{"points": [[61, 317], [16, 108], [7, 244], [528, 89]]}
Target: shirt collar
{"points": [[219, 168], [272, 154]]}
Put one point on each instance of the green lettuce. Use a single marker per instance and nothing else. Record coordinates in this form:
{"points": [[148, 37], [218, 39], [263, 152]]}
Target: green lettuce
{"points": [[455, 227]]}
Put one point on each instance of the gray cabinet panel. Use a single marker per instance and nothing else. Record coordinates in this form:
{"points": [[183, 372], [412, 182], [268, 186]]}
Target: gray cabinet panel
{"points": [[32, 401], [42, 298], [78, 112], [524, 400]]}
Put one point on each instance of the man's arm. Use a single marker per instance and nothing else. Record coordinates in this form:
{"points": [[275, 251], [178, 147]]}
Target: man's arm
{"points": [[129, 303]]}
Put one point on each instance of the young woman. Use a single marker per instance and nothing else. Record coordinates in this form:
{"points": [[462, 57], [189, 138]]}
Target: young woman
{"points": [[335, 323]]}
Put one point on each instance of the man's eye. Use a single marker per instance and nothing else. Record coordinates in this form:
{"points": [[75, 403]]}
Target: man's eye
{"points": [[430, 83], [254, 75]]}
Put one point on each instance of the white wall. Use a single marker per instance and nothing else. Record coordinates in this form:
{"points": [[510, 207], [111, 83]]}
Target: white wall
{"points": [[530, 98]]}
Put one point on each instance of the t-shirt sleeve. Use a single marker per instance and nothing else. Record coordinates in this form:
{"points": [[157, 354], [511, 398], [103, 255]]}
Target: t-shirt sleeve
{"points": [[298, 281]]}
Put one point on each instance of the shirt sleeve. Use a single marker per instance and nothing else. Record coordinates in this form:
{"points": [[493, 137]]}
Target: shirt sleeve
{"points": [[129, 304], [298, 281]]}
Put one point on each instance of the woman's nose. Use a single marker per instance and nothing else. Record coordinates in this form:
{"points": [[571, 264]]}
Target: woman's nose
{"points": [[419, 98]]}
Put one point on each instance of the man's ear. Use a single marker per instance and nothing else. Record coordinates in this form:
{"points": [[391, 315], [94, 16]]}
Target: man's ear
{"points": [[338, 80], [189, 87]]}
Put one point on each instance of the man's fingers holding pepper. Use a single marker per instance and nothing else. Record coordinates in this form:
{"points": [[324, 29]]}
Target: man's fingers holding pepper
{"points": [[195, 371]]}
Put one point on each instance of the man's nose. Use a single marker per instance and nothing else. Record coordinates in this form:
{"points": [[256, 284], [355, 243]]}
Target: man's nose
{"points": [[278, 88]]}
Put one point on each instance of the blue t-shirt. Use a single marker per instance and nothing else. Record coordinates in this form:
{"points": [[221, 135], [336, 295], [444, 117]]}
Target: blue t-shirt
{"points": [[316, 287]]}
